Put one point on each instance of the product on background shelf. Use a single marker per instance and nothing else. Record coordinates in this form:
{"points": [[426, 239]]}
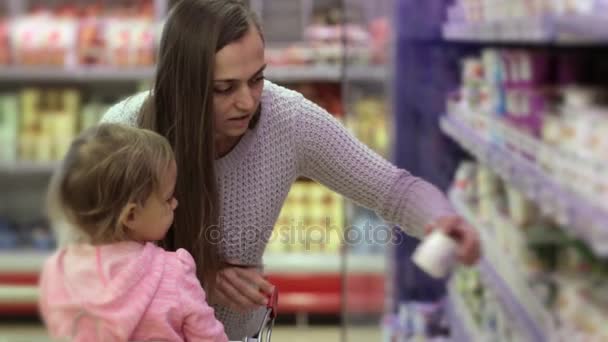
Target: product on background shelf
{"points": [[369, 122], [311, 220], [9, 120], [38, 235], [325, 39], [364, 222], [34, 235], [497, 10], [326, 95], [49, 123], [100, 34], [38, 124], [464, 179], [5, 57], [553, 275], [508, 97], [416, 321], [486, 314], [9, 237], [525, 20]]}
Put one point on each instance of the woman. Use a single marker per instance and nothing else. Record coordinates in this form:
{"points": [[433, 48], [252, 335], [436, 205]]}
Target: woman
{"points": [[240, 142]]}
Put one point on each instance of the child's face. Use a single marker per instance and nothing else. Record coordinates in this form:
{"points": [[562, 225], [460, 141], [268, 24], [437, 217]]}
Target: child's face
{"points": [[152, 221]]}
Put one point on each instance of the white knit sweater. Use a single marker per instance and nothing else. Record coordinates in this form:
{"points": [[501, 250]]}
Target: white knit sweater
{"points": [[293, 138]]}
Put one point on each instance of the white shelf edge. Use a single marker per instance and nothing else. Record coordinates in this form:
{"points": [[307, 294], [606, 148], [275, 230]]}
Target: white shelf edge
{"points": [[301, 73], [31, 261], [80, 74], [22, 261], [18, 294], [287, 73], [300, 263], [561, 30]]}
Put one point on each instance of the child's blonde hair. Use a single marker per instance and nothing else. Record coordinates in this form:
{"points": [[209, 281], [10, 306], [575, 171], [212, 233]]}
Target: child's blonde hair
{"points": [[106, 167]]}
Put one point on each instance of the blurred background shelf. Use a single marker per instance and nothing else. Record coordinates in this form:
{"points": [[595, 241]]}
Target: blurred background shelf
{"points": [[304, 73], [30, 261], [583, 218], [279, 74], [498, 272], [462, 327], [378, 73], [322, 263], [27, 167], [93, 74], [21, 262], [586, 27], [570, 29], [511, 302], [310, 283]]}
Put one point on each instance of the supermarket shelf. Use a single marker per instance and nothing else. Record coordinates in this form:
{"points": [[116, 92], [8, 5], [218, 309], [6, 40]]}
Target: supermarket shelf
{"points": [[327, 72], [93, 74], [513, 293], [20, 262], [582, 29], [309, 282], [306, 73], [285, 74], [592, 27], [322, 263], [27, 167], [462, 327], [579, 215], [374, 73], [11, 295], [17, 300], [28, 261], [515, 308]]}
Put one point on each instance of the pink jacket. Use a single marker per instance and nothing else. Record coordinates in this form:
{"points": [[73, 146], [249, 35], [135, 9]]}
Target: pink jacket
{"points": [[124, 292]]}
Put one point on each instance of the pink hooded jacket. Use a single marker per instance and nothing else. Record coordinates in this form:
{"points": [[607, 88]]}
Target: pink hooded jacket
{"points": [[125, 292]]}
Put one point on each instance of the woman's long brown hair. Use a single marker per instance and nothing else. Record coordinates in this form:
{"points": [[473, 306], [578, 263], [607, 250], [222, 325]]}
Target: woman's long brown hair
{"points": [[180, 108]]}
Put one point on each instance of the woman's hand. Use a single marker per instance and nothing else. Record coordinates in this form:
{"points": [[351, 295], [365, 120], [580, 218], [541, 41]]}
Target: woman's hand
{"points": [[467, 238], [241, 288]]}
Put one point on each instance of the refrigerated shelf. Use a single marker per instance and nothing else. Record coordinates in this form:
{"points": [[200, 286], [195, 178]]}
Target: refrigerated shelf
{"points": [[27, 167], [279, 74], [309, 282], [518, 299], [30, 261], [462, 326], [567, 29], [79, 74], [322, 263], [581, 216]]}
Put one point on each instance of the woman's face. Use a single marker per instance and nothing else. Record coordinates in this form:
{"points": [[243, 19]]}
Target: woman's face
{"points": [[238, 83]]}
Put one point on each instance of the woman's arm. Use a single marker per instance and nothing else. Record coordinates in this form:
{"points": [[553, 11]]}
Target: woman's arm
{"points": [[329, 154]]}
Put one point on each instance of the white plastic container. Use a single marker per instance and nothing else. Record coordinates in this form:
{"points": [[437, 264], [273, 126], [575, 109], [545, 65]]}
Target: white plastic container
{"points": [[436, 255]]}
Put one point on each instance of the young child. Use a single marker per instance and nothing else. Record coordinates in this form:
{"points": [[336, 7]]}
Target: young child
{"points": [[114, 191]]}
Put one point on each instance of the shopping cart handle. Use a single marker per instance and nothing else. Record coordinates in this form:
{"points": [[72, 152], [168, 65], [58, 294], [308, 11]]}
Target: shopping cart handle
{"points": [[273, 302], [265, 331]]}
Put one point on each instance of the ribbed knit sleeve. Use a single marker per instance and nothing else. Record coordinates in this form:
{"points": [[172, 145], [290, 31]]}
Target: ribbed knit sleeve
{"points": [[329, 154]]}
